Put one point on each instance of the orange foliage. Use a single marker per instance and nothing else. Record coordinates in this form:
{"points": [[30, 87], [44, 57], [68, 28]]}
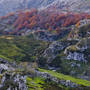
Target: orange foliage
{"points": [[47, 20], [78, 24]]}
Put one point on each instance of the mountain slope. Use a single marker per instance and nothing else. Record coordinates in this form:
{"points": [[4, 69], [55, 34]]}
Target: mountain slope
{"points": [[53, 35], [72, 5], [7, 6], [20, 48]]}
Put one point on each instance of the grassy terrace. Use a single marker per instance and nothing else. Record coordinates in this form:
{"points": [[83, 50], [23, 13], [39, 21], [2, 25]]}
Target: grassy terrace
{"points": [[66, 77], [39, 83], [35, 84]]}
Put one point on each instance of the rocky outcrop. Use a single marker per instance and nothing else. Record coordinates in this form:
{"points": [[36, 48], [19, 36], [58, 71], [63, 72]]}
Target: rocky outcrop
{"points": [[76, 56], [9, 78], [11, 81], [54, 49], [80, 51]]}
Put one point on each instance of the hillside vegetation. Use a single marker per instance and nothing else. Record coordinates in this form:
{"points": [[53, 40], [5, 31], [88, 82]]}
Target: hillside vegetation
{"points": [[28, 21], [20, 48]]}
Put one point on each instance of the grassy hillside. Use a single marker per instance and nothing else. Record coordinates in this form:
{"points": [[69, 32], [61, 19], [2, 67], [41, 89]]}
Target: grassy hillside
{"points": [[66, 77], [20, 48]]}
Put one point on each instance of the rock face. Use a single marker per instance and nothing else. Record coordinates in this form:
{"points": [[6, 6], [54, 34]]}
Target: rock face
{"points": [[76, 56], [12, 81], [54, 49], [80, 51], [9, 79]]}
